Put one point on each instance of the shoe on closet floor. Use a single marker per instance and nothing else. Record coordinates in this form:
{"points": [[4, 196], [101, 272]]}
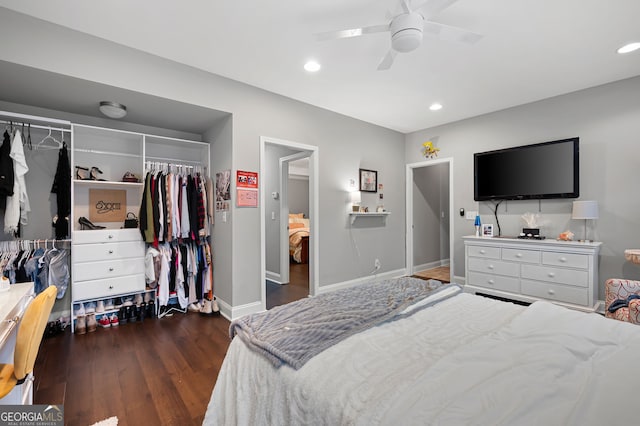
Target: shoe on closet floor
{"points": [[147, 297], [214, 306], [132, 313], [127, 301], [81, 324], [100, 306], [78, 309], [138, 299], [108, 305], [194, 307], [90, 307], [104, 321], [113, 319], [122, 315], [92, 324]]}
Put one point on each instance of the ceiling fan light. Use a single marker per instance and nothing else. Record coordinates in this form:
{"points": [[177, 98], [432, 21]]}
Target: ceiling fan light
{"points": [[312, 66], [628, 48], [435, 106], [406, 32], [113, 109]]}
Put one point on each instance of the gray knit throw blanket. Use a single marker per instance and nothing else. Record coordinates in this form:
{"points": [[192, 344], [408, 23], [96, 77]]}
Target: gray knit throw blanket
{"points": [[294, 333]]}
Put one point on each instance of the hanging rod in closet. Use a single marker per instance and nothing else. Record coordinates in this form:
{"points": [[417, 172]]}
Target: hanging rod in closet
{"points": [[174, 161], [32, 119], [36, 126], [118, 154]]}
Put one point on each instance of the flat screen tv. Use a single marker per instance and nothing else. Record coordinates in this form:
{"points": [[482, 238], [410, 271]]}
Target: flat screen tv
{"points": [[538, 171]]}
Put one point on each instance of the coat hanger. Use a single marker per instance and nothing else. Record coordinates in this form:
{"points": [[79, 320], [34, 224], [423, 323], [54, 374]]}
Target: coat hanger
{"points": [[49, 138]]}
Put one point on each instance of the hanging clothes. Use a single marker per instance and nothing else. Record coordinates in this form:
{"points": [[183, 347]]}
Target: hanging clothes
{"points": [[17, 205], [6, 170], [62, 188]]}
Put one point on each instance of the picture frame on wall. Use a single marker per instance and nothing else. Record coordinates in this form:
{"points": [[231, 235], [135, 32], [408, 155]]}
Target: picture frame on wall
{"points": [[368, 180], [487, 230]]}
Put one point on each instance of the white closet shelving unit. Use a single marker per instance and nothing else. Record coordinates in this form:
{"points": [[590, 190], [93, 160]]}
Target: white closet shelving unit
{"points": [[109, 263]]}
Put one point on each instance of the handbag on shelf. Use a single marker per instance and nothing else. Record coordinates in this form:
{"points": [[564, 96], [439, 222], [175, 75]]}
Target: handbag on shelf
{"points": [[131, 220]]}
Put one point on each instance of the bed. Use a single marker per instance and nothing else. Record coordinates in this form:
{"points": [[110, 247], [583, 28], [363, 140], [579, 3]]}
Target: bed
{"points": [[298, 238], [460, 359]]}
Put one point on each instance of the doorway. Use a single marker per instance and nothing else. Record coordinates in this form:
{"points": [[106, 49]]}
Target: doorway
{"points": [[279, 161], [429, 233]]}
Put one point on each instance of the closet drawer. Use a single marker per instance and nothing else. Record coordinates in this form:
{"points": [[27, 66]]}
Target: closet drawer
{"points": [[98, 289], [570, 277], [106, 236], [102, 252], [491, 266], [558, 293], [107, 269], [487, 252], [495, 282], [526, 256], [565, 259]]}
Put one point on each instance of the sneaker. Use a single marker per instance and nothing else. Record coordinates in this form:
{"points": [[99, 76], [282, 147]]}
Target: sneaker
{"points": [[113, 319], [92, 324], [138, 299], [90, 307], [109, 306], [147, 297], [127, 301], [78, 309], [194, 307], [214, 306], [206, 308], [81, 324], [118, 303], [100, 306], [104, 321]]}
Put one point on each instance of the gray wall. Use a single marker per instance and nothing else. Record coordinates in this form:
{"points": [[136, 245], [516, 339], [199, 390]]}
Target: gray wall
{"points": [[299, 195], [430, 202], [344, 145], [607, 120]]}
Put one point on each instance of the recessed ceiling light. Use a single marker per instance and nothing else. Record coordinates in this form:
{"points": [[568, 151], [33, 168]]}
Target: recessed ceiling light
{"points": [[629, 47], [435, 107], [113, 109], [312, 66]]}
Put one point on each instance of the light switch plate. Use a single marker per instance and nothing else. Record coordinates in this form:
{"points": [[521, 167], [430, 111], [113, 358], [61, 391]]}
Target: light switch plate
{"points": [[471, 215]]}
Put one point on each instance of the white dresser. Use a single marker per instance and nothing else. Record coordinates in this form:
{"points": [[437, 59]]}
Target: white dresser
{"points": [[107, 263], [564, 272]]}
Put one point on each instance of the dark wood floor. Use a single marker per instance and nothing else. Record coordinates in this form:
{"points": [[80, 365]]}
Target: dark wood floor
{"points": [[158, 372]]}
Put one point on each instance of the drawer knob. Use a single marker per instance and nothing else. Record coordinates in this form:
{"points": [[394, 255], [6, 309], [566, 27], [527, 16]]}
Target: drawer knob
{"points": [[110, 236], [491, 282], [519, 255], [482, 252], [110, 251], [551, 274], [110, 287], [551, 292], [111, 269], [490, 266], [563, 259]]}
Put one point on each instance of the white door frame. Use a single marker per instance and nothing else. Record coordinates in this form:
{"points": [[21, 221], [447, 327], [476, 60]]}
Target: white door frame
{"points": [[283, 187], [409, 211], [314, 214]]}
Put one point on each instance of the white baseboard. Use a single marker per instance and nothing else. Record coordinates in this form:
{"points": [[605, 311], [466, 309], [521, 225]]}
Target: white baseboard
{"points": [[234, 312], [273, 277], [362, 280]]}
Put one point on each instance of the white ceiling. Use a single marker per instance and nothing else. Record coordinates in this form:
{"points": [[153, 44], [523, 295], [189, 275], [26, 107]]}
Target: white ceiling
{"points": [[531, 50]]}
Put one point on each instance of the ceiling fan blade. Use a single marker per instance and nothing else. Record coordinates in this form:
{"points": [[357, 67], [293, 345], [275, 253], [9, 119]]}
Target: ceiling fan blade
{"points": [[353, 32], [387, 61], [449, 33], [431, 8], [406, 8]]}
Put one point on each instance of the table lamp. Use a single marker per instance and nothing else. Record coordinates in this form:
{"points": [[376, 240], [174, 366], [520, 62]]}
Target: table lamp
{"points": [[585, 210]]}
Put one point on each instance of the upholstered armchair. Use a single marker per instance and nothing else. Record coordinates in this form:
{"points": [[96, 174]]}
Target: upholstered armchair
{"points": [[622, 294]]}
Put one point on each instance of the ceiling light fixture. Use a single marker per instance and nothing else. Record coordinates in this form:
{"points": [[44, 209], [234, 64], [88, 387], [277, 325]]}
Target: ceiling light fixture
{"points": [[627, 48], [435, 107], [113, 109], [312, 66]]}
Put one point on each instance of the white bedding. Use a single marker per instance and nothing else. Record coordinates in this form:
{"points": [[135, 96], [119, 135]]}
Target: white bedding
{"points": [[466, 360]]}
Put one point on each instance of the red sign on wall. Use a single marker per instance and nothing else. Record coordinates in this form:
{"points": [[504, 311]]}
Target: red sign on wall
{"points": [[246, 179]]}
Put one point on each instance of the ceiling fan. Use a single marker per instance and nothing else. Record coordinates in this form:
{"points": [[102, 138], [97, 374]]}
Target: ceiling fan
{"points": [[407, 28]]}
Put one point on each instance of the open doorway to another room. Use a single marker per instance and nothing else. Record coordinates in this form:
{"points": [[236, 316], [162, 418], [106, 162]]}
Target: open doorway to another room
{"points": [[429, 227]]}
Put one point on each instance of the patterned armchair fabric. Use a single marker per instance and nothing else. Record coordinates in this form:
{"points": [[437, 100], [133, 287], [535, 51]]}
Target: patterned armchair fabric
{"points": [[618, 289]]}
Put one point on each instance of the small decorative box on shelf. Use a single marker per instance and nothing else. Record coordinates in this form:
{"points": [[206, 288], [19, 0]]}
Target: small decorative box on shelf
{"points": [[632, 255]]}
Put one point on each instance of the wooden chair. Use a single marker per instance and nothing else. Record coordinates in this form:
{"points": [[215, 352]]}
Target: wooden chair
{"points": [[28, 339]]}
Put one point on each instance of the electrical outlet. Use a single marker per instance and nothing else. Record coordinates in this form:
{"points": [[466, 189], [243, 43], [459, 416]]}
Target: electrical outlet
{"points": [[376, 264], [471, 215]]}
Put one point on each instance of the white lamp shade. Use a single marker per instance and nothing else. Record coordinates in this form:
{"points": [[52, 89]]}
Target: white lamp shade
{"points": [[356, 197], [585, 210]]}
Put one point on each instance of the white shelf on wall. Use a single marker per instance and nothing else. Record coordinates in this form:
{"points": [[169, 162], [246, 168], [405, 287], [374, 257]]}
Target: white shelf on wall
{"points": [[355, 215]]}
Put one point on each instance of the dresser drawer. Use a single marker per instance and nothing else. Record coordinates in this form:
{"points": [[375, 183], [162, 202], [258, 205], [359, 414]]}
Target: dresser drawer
{"points": [[107, 251], [570, 277], [527, 256], [107, 269], [565, 259], [495, 282], [555, 292], [481, 251], [111, 287], [106, 236], [491, 266]]}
